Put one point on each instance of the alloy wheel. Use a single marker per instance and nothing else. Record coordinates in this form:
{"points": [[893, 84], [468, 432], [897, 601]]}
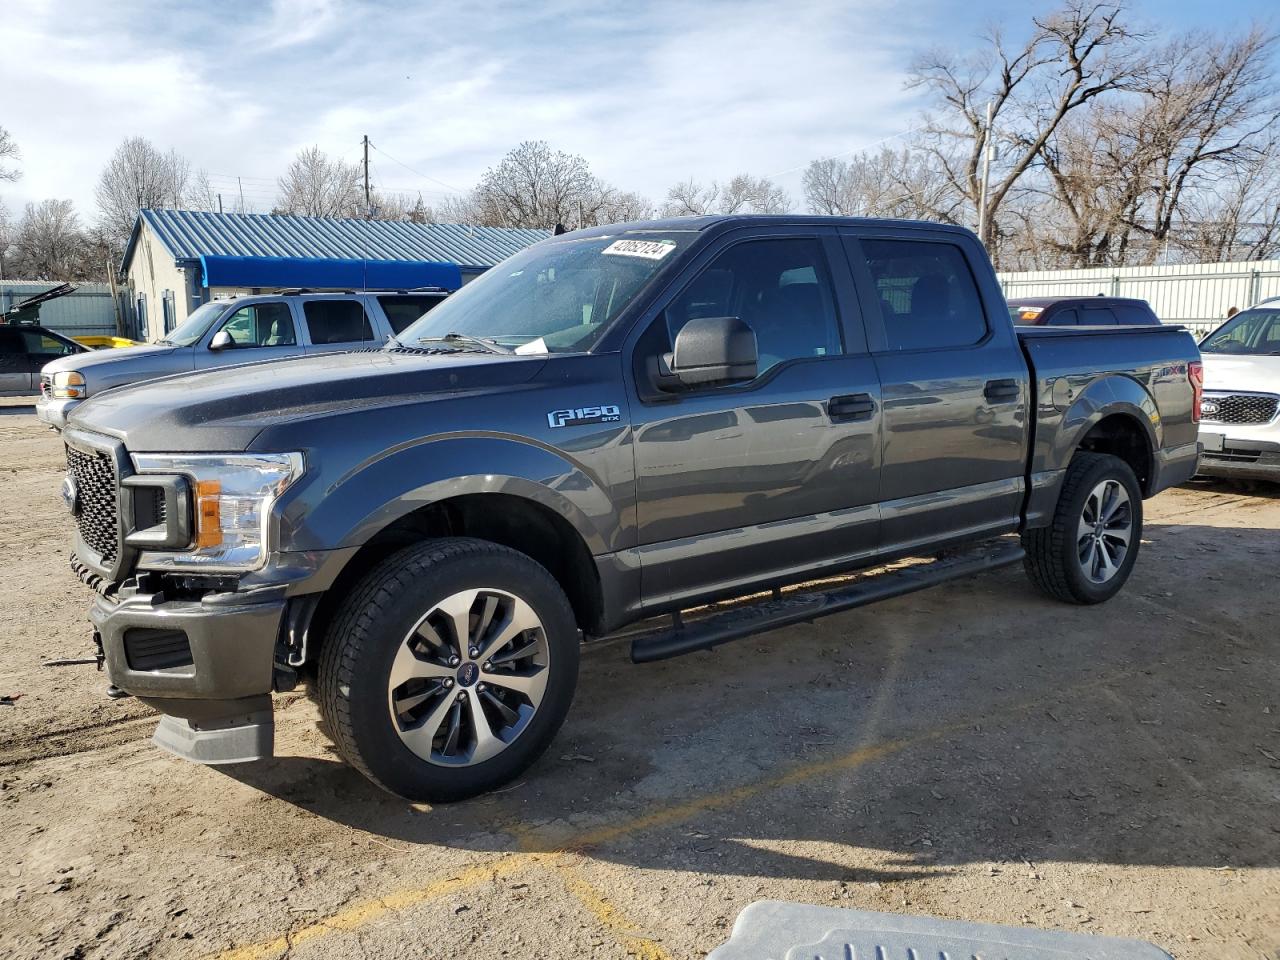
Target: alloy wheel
{"points": [[468, 678], [1104, 531]]}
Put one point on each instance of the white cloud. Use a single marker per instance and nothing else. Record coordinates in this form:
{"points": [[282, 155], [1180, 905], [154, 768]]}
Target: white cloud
{"points": [[649, 93]]}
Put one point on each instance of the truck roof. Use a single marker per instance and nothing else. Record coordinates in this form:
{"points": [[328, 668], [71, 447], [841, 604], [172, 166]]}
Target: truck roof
{"points": [[700, 223]]}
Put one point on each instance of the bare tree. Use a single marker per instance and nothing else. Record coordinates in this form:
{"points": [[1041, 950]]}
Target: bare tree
{"points": [[537, 186], [316, 185], [50, 242], [6, 237], [1210, 106], [1072, 57], [9, 152], [139, 177], [742, 193], [891, 183]]}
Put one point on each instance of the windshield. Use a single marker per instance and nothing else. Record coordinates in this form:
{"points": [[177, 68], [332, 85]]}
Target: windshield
{"points": [[1254, 331], [553, 298], [196, 325]]}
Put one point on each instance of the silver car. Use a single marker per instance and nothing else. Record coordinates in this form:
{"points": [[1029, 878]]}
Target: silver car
{"points": [[240, 330]]}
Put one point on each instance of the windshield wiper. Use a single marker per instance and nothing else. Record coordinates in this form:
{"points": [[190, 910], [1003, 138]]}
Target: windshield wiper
{"points": [[487, 345]]}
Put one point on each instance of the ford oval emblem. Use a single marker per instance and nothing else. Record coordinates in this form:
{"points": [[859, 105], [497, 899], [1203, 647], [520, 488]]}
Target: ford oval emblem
{"points": [[71, 495]]}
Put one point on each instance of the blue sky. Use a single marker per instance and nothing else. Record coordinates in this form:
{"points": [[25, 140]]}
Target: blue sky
{"points": [[649, 93]]}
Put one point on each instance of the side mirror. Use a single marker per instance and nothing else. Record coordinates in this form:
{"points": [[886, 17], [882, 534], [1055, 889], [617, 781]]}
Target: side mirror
{"points": [[221, 340], [714, 349]]}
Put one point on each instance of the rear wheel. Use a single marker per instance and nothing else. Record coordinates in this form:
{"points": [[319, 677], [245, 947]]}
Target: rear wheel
{"points": [[449, 669], [1087, 553]]}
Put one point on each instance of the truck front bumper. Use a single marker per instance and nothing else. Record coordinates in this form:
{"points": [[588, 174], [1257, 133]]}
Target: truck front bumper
{"points": [[55, 412], [206, 664]]}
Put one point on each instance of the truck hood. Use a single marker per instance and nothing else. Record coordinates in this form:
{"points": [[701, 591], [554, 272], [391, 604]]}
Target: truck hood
{"points": [[99, 358], [1253, 374], [223, 409]]}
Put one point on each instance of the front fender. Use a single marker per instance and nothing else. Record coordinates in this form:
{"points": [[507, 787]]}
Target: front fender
{"points": [[328, 512]]}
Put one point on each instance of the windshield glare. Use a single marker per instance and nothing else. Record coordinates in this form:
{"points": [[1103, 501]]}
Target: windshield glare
{"points": [[1254, 331], [194, 327], [556, 297]]}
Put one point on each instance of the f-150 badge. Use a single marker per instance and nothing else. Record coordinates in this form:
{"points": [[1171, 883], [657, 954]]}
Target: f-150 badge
{"points": [[606, 413]]}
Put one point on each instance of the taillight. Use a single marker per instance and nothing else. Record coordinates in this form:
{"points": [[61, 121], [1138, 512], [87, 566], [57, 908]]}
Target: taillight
{"points": [[1195, 374]]}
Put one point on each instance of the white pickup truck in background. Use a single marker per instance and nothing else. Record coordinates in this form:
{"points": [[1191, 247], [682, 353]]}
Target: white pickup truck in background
{"points": [[1240, 412]]}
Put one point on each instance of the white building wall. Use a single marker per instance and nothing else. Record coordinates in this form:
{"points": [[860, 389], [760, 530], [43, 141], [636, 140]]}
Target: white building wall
{"points": [[153, 273], [1197, 295]]}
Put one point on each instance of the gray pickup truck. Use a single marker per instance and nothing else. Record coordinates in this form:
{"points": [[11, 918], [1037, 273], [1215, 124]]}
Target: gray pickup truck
{"points": [[614, 424], [221, 333]]}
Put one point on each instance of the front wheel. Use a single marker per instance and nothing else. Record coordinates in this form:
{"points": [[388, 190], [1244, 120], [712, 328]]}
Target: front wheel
{"points": [[1087, 553], [449, 669]]}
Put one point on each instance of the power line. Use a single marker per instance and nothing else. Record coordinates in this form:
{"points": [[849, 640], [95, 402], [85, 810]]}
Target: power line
{"points": [[447, 186]]}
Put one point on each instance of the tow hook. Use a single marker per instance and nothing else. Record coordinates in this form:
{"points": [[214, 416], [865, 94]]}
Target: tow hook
{"points": [[97, 659]]}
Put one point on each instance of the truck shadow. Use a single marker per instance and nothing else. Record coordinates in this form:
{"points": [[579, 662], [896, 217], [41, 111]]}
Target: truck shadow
{"points": [[976, 723]]}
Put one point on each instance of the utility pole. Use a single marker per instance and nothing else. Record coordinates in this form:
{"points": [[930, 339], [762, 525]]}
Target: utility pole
{"points": [[241, 186], [986, 174], [219, 203], [368, 207]]}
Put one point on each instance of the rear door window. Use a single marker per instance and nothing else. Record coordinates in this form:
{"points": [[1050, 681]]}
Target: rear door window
{"points": [[337, 321], [928, 297], [1097, 317], [1135, 314], [402, 310]]}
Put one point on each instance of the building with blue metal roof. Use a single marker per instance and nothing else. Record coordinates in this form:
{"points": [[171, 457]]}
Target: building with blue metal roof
{"points": [[176, 260]]}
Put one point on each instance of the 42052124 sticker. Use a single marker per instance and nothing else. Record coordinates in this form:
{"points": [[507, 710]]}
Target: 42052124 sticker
{"points": [[647, 249], [605, 413]]}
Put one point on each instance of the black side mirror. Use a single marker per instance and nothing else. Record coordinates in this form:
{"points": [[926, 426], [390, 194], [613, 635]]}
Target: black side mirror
{"points": [[711, 350]]}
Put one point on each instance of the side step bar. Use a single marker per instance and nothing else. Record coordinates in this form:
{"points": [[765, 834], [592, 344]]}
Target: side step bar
{"points": [[800, 607]]}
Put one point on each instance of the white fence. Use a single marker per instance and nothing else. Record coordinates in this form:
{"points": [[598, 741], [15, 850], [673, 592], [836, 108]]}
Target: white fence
{"points": [[1197, 295]]}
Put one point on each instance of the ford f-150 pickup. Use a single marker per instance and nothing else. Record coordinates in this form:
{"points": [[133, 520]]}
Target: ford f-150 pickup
{"points": [[617, 423]]}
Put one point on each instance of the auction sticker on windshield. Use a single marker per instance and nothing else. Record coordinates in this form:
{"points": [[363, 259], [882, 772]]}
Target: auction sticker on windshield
{"points": [[648, 249]]}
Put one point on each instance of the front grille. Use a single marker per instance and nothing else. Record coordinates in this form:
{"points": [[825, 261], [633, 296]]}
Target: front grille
{"points": [[46, 385], [1241, 407], [95, 479]]}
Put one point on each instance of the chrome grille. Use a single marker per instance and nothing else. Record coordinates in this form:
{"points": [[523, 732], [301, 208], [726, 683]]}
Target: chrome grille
{"points": [[95, 479], [46, 385], [1239, 407]]}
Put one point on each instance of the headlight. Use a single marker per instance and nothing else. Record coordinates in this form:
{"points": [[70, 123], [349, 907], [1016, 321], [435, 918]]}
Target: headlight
{"points": [[231, 499], [69, 385]]}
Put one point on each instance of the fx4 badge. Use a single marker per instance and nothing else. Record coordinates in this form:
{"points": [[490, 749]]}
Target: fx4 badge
{"points": [[607, 413]]}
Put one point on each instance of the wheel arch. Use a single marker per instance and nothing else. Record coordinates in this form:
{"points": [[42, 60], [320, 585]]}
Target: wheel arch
{"points": [[1116, 415]]}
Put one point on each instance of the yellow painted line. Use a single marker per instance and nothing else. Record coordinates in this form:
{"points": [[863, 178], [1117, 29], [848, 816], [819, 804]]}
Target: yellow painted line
{"points": [[608, 916], [538, 849], [363, 913]]}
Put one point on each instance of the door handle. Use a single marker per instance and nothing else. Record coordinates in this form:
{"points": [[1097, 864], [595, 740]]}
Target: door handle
{"points": [[855, 406], [1001, 391]]}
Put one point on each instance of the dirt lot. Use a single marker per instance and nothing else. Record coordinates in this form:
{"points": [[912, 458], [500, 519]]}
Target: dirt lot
{"points": [[974, 752]]}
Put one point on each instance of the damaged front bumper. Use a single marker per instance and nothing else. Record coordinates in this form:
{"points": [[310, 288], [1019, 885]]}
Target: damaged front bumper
{"points": [[207, 665]]}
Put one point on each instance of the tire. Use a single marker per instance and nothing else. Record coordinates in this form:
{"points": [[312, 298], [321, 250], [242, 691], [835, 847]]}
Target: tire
{"points": [[405, 616], [1072, 558]]}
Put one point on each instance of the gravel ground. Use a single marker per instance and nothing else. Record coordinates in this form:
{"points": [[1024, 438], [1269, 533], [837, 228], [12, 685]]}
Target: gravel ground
{"points": [[972, 752]]}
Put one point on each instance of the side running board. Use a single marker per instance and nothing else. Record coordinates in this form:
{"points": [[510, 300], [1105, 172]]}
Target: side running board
{"points": [[801, 606]]}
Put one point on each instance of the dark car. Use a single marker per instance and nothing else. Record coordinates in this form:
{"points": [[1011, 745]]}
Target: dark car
{"points": [[24, 350], [1082, 312], [615, 423]]}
